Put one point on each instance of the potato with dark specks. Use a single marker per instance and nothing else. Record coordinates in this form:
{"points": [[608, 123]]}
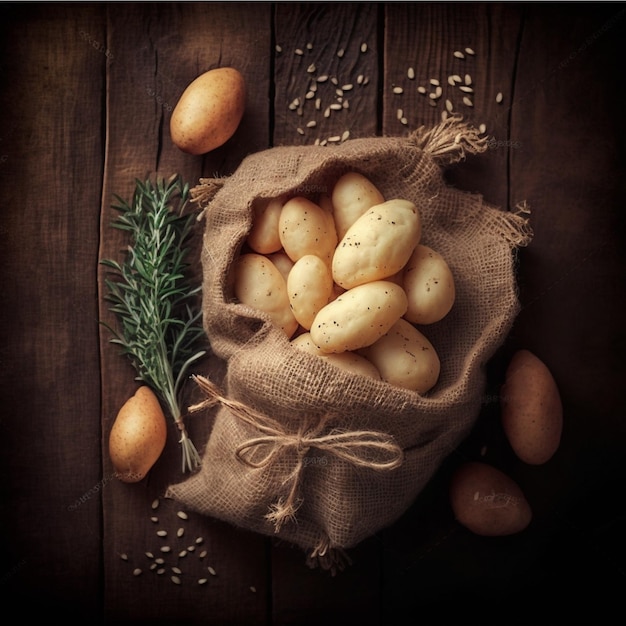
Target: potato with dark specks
{"points": [[358, 317], [259, 284], [487, 501], [309, 287], [378, 245], [209, 111], [531, 409], [405, 358], [138, 436]]}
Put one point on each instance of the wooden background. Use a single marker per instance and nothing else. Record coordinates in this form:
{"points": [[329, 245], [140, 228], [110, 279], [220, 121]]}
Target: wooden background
{"points": [[85, 99]]}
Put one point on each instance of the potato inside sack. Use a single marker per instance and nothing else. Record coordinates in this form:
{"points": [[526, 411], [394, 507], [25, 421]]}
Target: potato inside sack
{"points": [[378, 245], [259, 284], [263, 237], [309, 287]]}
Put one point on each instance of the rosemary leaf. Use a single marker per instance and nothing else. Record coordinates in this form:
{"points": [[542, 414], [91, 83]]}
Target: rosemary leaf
{"points": [[160, 324]]}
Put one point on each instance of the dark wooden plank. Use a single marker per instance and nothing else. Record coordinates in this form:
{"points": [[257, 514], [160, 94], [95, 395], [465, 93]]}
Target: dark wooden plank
{"points": [[158, 50], [328, 53], [567, 110], [53, 61], [321, 31]]}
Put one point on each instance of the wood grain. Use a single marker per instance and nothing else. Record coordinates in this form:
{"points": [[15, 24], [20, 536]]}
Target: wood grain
{"points": [[49, 186]]}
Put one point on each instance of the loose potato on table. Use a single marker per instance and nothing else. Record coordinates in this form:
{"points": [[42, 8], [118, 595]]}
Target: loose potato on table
{"points": [[259, 284], [532, 412], [487, 501], [378, 244]]}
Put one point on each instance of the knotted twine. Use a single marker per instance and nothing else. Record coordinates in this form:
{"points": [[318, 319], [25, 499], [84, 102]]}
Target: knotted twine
{"points": [[318, 472]]}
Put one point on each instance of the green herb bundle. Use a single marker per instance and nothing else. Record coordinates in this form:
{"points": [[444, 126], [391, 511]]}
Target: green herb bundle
{"points": [[153, 297]]}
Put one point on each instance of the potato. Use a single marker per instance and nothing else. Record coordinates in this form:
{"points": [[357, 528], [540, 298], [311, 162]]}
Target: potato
{"points": [[209, 111], [429, 286], [282, 262], [378, 244], [259, 284], [353, 194], [306, 228], [531, 409], [138, 436], [263, 236], [349, 361], [309, 287], [358, 317], [487, 501], [405, 358]]}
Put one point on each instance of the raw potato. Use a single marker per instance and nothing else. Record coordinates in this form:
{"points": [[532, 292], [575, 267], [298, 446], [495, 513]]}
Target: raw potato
{"points": [[429, 286], [259, 284], [358, 317], [532, 412], [487, 501], [349, 361], [138, 436], [378, 245], [309, 287], [263, 237], [282, 262], [209, 111], [306, 228], [352, 195], [405, 358]]}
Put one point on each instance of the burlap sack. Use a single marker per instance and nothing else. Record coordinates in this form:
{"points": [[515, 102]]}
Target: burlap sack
{"points": [[300, 449]]}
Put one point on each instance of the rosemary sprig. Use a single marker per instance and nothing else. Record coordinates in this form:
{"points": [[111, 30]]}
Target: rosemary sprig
{"points": [[153, 298]]}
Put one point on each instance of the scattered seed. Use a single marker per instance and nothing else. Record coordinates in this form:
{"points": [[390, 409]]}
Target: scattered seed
{"points": [[253, 589], [323, 78], [309, 95], [449, 106], [204, 552], [359, 79], [458, 54], [334, 80], [434, 82], [345, 135], [300, 111], [202, 581], [166, 549], [318, 104], [410, 73], [175, 580], [180, 532], [339, 92], [124, 557], [456, 78], [366, 80], [499, 97], [155, 504], [438, 91], [299, 52], [345, 104], [451, 81], [398, 90], [176, 570], [162, 533], [311, 68], [444, 116], [136, 571], [323, 142], [191, 548], [404, 121], [421, 89], [327, 112], [309, 46], [347, 87], [363, 47], [482, 129], [334, 138], [466, 89], [470, 51], [340, 52], [468, 79], [182, 515], [433, 95], [159, 561], [311, 124], [153, 566], [211, 571], [160, 571], [154, 519], [335, 107], [278, 48], [150, 555], [399, 114], [467, 102], [182, 553]]}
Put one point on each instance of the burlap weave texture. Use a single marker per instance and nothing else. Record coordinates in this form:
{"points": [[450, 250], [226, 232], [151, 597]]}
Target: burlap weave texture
{"points": [[351, 453]]}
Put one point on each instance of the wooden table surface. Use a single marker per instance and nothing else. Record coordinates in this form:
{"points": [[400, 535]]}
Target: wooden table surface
{"points": [[86, 96]]}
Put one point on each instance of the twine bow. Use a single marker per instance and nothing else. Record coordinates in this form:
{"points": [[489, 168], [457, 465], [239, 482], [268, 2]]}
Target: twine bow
{"points": [[362, 448]]}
